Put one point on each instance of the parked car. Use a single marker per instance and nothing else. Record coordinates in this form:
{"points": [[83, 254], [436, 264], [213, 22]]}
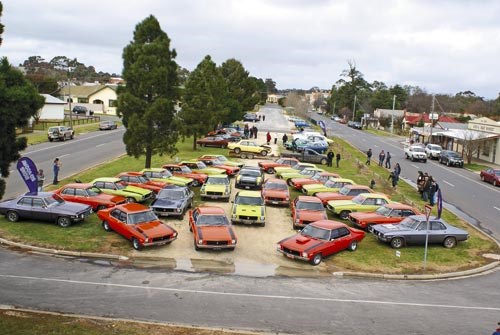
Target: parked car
{"points": [[163, 175], [60, 133], [213, 141], [451, 158], [305, 210], [250, 117], [275, 192], [200, 167], [357, 125], [415, 153], [308, 155], [296, 168], [215, 162], [491, 176], [317, 178], [249, 208], [139, 180], [365, 202], [114, 186], [269, 166], [306, 173], [138, 224], [320, 239], [301, 124], [89, 195], [413, 230], [345, 193], [250, 177], [184, 171], [216, 187], [249, 146], [318, 146], [433, 151], [388, 214], [82, 110], [107, 125], [331, 185], [211, 229], [173, 201], [222, 159], [44, 206]]}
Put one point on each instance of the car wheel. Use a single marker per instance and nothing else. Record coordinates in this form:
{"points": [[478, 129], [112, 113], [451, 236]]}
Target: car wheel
{"points": [[263, 224], [482, 178], [407, 156], [72, 135], [270, 170], [495, 183], [195, 183], [243, 156], [100, 207], [51, 139], [323, 161], [12, 216], [289, 182], [450, 242], [105, 225], [263, 153], [250, 156], [344, 215], [397, 242], [448, 163], [63, 221], [412, 158], [130, 200], [63, 138], [237, 150], [224, 146], [135, 244], [425, 160], [353, 246], [316, 259]]}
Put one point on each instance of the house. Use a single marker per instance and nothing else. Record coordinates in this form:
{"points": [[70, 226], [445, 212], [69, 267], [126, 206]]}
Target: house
{"points": [[99, 98], [273, 98], [379, 113], [53, 108], [413, 119]]}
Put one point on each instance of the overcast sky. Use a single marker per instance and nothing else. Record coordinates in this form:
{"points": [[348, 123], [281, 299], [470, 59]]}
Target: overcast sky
{"points": [[441, 46]]}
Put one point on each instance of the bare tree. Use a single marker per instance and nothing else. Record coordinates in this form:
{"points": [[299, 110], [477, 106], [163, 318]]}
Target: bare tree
{"points": [[298, 102], [471, 144]]}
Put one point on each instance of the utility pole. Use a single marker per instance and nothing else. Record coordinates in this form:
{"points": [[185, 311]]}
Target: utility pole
{"points": [[354, 108], [392, 115], [432, 118]]}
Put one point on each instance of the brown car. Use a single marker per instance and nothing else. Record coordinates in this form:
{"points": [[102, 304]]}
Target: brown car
{"points": [[306, 209], [345, 193], [213, 141], [392, 213], [275, 192], [268, 166]]}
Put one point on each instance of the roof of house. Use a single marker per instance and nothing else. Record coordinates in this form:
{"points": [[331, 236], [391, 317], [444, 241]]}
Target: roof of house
{"points": [[49, 99], [467, 134], [414, 119], [84, 91]]}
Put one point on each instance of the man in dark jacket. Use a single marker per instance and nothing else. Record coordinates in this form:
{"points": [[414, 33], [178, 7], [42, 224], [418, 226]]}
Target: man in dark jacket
{"points": [[284, 138], [368, 156], [338, 158], [388, 160], [329, 157]]}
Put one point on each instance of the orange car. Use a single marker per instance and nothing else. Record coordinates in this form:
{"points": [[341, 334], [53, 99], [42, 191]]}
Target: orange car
{"points": [[268, 166], [318, 178], [184, 171], [392, 213], [89, 195], [137, 179], [306, 209], [214, 162], [211, 228], [275, 192], [345, 193]]}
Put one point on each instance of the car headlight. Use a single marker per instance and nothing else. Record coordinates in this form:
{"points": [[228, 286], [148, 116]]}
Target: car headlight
{"points": [[233, 241], [200, 241], [174, 234], [179, 210], [304, 254]]}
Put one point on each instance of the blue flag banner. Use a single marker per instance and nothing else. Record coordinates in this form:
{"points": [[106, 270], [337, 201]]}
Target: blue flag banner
{"points": [[439, 203], [29, 173], [322, 125]]}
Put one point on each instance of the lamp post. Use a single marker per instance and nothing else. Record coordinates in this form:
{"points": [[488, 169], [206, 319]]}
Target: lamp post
{"points": [[392, 114], [69, 101], [354, 108]]}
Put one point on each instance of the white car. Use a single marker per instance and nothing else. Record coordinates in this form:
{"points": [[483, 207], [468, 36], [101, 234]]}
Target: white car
{"points": [[415, 152], [433, 151]]}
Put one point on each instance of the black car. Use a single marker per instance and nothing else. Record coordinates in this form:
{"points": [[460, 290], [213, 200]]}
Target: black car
{"points": [[451, 158], [173, 201], [357, 125], [82, 110], [44, 206], [250, 177]]}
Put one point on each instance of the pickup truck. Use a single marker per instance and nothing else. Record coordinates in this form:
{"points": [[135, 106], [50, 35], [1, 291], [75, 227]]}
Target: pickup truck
{"points": [[61, 133], [415, 152], [308, 155]]}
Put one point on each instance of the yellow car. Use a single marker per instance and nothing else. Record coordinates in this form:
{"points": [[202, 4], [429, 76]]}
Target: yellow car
{"points": [[249, 208], [364, 202], [249, 146], [296, 168], [331, 185]]}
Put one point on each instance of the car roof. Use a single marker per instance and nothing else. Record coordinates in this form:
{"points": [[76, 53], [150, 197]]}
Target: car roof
{"points": [[254, 194], [132, 207], [255, 168], [130, 173], [398, 205], [78, 185], [218, 176], [342, 180], [107, 179], [153, 170], [358, 187], [374, 195], [210, 210], [328, 224], [308, 198], [275, 180], [38, 194]]}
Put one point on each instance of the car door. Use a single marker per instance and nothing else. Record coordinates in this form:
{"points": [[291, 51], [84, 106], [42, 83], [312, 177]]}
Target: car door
{"points": [[417, 236], [341, 238], [68, 194], [40, 211], [488, 176], [437, 232], [118, 221], [23, 207]]}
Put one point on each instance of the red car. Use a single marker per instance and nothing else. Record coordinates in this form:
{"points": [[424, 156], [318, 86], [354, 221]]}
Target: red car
{"points": [[318, 178], [275, 192], [345, 193], [214, 162], [392, 213], [213, 141], [211, 228], [138, 179], [282, 162], [320, 239], [306, 209], [184, 171], [137, 223], [491, 176], [89, 195]]}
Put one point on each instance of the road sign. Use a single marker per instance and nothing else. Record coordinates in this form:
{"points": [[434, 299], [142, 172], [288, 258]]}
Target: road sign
{"points": [[428, 210]]}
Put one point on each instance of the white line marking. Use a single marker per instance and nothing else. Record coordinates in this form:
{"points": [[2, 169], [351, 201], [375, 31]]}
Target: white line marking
{"points": [[376, 146], [63, 155], [444, 181], [249, 295], [100, 145], [495, 207], [416, 167]]}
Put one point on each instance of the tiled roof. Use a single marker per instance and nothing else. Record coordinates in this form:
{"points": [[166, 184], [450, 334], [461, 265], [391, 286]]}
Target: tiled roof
{"points": [[414, 119], [84, 91]]}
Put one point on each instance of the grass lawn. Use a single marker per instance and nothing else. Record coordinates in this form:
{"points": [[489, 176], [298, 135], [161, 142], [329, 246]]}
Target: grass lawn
{"points": [[380, 132], [476, 167]]}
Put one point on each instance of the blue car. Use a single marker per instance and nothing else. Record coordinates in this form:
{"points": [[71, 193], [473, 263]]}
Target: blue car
{"points": [[173, 200], [320, 147], [301, 124]]}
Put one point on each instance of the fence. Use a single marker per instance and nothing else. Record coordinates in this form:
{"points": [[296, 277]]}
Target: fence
{"points": [[76, 120]]}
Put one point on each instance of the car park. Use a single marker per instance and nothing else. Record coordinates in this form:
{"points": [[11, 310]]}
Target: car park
{"points": [[331, 185], [392, 213], [222, 159], [490, 176], [317, 178], [82, 110], [306, 209], [270, 166], [211, 229], [184, 171], [347, 192], [173, 201], [320, 239], [215, 162], [413, 231], [275, 192], [107, 125], [216, 187], [138, 224], [213, 141], [364, 202], [200, 167], [451, 158], [415, 153], [249, 147], [139, 180], [44, 206], [114, 186], [248, 208], [88, 194], [61, 133], [433, 151], [250, 178], [163, 175]]}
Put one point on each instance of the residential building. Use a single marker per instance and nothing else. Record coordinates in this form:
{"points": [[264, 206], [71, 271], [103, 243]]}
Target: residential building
{"points": [[99, 98], [53, 108]]}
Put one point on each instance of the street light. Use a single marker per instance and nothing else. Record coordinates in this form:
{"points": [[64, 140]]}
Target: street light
{"points": [[392, 114]]}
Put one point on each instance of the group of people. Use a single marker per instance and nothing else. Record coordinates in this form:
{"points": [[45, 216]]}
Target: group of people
{"points": [[427, 187], [56, 166], [330, 156], [384, 159], [394, 175], [250, 132]]}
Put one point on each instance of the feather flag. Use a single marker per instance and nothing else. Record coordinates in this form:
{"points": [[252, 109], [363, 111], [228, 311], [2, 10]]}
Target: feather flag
{"points": [[439, 203]]}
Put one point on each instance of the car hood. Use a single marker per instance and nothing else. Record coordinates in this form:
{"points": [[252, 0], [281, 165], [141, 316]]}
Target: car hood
{"points": [[136, 190], [167, 203], [214, 188], [368, 216], [301, 243], [341, 203], [275, 193], [234, 164], [213, 171], [309, 215], [109, 198], [155, 183], [248, 210], [392, 228], [216, 232], [154, 229]]}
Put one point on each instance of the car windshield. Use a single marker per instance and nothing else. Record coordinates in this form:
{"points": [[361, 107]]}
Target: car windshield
{"points": [[222, 158], [344, 190], [275, 186], [212, 220], [307, 172], [141, 180], [384, 211], [93, 191], [334, 184], [201, 165], [410, 222], [280, 161], [53, 200], [453, 154], [253, 201], [418, 149], [315, 232], [217, 181], [359, 199], [311, 206], [434, 147], [251, 173], [119, 186], [185, 169], [141, 217], [497, 172], [171, 194], [52, 129]]}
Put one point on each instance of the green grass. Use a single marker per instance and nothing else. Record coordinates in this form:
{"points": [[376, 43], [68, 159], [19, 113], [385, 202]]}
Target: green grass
{"points": [[476, 167], [379, 132]]}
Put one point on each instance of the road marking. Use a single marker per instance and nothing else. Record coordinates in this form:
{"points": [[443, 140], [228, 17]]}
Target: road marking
{"points": [[416, 167], [376, 146], [495, 207], [444, 181], [250, 295], [63, 155], [100, 145]]}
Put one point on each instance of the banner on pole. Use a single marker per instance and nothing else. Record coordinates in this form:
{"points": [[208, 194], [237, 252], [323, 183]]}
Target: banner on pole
{"points": [[29, 173], [322, 125]]}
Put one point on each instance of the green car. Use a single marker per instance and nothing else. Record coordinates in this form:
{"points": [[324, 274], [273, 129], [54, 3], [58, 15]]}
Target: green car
{"points": [[249, 208], [114, 186], [332, 185], [364, 202], [216, 187], [298, 167], [223, 159], [200, 167], [161, 174], [306, 173]]}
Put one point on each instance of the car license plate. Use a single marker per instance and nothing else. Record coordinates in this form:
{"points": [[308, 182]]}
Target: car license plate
{"points": [[290, 256], [213, 197], [274, 202], [247, 187], [247, 221]]}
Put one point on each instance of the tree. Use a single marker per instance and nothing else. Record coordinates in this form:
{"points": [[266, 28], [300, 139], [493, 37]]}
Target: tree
{"points": [[147, 102], [471, 142], [204, 102], [270, 86]]}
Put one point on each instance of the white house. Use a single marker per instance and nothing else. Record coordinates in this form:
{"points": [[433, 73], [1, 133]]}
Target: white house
{"points": [[53, 109]]}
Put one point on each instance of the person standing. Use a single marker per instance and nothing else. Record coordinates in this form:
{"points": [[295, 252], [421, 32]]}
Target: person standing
{"points": [[268, 138], [338, 158], [420, 182], [388, 160], [250, 131], [255, 132], [381, 158], [55, 168], [434, 187], [263, 117], [284, 138], [368, 156], [246, 131], [397, 169], [329, 158], [426, 188], [394, 179], [41, 179]]}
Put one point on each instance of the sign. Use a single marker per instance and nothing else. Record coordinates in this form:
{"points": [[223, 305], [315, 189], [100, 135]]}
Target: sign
{"points": [[428, 210], [29, 173], [398, 253]]}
